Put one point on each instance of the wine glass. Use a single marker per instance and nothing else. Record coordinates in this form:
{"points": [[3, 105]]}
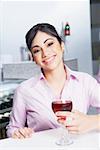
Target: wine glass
{"points": [[59, 105]]}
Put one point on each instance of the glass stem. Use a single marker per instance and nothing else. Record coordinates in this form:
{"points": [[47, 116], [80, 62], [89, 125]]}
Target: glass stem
{"points": [[65, 138]]}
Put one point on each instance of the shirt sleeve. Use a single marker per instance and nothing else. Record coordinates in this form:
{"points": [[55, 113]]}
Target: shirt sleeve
{"points": [[94, 92], [18, 113]]}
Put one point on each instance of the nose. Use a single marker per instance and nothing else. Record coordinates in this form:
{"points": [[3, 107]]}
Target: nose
{"points": [[44, 52]]}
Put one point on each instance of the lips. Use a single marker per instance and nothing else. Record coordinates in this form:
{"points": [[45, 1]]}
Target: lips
{"points": [[49, 60]]}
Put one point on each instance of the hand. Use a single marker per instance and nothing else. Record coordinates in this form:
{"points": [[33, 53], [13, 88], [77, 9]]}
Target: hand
{"points": [[77, 122], [22, 133]]}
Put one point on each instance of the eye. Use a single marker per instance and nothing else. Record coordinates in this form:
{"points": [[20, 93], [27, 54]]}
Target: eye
{"points": [[49, 44], [36, 51]]}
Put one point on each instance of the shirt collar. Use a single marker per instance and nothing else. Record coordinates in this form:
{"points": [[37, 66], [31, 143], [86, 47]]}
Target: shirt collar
{"points": [[41, 75], [70, 74]]}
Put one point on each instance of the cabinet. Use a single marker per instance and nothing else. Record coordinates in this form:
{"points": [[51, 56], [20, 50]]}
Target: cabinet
{"points": [[6, 101], [5, 109], [95, 36]]}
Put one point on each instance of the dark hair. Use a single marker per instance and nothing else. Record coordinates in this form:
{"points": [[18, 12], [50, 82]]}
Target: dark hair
{"points": [[44, 27]]}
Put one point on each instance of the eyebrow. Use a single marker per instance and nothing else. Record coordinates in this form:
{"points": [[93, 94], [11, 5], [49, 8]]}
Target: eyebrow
{"points": [[43, 42], [34, 46], [47, 40]]}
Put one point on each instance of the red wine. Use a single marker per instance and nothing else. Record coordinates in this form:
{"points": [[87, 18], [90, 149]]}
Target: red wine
{"points": [[62, 106], [59, 105]]}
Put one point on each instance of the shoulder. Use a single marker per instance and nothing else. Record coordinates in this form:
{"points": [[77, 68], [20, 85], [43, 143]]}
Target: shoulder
{"points": [[80, 76], [85, 78], [83, 75], [28, 84]]}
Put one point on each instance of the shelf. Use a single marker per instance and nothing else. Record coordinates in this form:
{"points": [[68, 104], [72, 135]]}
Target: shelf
{"points": [[97, 43], [95, 25], [5, 110], [3, 125]]}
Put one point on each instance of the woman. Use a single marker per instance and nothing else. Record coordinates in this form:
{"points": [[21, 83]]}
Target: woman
{"points": [[33, 98]]}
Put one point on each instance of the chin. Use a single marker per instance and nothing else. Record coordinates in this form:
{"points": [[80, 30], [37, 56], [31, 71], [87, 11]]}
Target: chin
{"points": [[50, 67]]}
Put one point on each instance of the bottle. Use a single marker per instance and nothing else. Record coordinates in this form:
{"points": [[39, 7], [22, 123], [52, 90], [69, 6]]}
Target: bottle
{"points": [[67, 29], [24, 53]]}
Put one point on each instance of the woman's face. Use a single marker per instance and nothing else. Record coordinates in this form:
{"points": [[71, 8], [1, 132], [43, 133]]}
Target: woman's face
{"points": [[47, 51]]}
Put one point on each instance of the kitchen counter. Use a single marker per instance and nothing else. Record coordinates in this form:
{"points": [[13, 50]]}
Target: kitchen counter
{"points": [[8, 86], [46, 140]]}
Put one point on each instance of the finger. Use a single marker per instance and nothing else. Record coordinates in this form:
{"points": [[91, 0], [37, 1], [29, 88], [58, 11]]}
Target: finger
{"points": [[65, 120], [63, 113], [31, 130], [60, 121], [17, 134], [76, 112], [25, 132], [71, 122], [14, 136], [73, 132], [28, 131], [72, 128]]}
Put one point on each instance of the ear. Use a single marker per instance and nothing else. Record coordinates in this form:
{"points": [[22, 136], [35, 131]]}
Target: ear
{"points": [[62, 46], [31, 56]]}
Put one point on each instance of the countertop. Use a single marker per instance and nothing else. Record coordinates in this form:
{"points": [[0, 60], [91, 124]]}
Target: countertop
{"points": [[46, 140]]}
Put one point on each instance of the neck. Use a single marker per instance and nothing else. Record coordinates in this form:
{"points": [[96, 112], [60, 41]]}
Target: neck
{"points": [[56, 74], [56, 78]]}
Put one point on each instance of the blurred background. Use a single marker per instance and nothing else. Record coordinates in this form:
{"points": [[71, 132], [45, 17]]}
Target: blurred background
{"points": [[77, 22]]}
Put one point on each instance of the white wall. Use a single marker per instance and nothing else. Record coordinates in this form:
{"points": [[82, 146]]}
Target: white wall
{"points": [[18, 17]]}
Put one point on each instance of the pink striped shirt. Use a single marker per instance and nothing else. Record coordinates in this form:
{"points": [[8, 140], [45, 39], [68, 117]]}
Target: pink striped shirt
{"points": [[33, 98]]}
